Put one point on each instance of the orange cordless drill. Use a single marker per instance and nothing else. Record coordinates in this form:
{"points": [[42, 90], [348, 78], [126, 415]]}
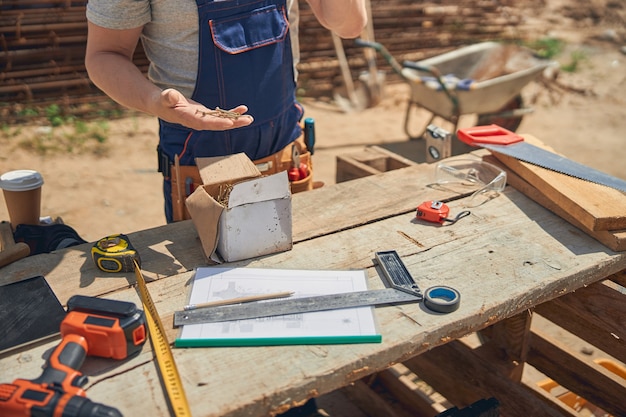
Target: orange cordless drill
{"points": [[94, 327]]}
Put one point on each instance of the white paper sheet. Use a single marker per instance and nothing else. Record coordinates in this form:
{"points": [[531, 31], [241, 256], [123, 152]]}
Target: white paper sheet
{"points": [[351, 325]]}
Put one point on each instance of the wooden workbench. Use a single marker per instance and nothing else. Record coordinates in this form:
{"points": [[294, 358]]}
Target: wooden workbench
{"points": [[509, 256]]}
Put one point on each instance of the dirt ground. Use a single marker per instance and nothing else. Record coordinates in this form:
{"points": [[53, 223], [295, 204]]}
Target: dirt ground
{"points": [[116, 188]]}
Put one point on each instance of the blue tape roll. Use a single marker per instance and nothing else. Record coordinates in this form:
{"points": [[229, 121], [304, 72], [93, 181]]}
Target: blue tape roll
{"points": [[442, 299]]}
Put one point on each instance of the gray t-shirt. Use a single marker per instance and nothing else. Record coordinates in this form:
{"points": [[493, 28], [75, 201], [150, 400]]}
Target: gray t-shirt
{"points": [[170, 35]]}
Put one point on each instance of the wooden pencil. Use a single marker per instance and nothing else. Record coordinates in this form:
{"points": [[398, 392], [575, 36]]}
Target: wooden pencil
{"points": [[238, 300]]}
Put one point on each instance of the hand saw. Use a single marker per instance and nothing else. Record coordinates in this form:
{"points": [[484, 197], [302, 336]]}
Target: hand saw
{"points": [[500, 140], [403, 290]]}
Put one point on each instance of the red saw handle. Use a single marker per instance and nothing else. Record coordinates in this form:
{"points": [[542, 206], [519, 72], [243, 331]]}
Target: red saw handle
{"points": [[488, 135]]}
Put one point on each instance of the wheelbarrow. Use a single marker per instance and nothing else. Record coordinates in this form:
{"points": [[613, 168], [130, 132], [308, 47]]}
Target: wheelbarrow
{"points": [[484, 79]]}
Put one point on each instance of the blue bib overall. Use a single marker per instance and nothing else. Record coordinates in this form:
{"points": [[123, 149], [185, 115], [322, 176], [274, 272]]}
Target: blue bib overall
{"points": [[245, 57]]}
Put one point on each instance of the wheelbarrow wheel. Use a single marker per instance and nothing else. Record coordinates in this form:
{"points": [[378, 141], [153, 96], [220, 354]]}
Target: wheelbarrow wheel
{"points": [[505, 117]]}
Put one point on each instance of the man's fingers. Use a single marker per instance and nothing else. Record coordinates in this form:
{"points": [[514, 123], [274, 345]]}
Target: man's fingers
{"points": [[218, 123], [241, 109], [225, 119]]}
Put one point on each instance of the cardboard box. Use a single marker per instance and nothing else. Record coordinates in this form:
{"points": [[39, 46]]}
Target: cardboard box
{"points": [[238, 212]]}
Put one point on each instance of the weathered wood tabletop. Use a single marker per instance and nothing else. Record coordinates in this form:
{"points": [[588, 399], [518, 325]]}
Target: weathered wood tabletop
{"points": [[509, 255]]}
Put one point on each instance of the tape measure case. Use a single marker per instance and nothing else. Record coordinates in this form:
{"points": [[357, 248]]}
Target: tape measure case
{"points": [[115, 253], [239, 213]]}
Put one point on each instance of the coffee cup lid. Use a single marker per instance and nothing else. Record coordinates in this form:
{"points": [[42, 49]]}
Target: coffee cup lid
{"points": [[21, 180]]}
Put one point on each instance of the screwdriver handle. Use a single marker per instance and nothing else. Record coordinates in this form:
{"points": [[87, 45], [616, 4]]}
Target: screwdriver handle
{"points": [[309, 134]]}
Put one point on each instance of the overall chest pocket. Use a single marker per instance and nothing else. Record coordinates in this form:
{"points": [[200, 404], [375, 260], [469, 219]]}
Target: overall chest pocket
{"points": [[251, 30]]}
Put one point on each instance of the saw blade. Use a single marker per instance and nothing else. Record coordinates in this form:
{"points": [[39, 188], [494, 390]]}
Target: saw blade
{"points": [[294, 306], [500, 140], [545, 159]]}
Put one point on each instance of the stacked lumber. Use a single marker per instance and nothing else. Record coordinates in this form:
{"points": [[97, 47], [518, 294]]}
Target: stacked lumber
{"points": [[42, 48], [42, 59]]}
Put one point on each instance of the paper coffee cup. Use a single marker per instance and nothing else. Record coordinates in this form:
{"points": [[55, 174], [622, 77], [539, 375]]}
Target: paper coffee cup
{"points": [[22, 194]]}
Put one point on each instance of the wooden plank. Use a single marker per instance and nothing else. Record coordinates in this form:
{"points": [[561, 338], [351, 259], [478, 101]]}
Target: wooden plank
{"points": [[171, 249], [573, 371], [595, 206], [369, 401], [463, 377], [548, 398], [596, 314], [615, 240], [409, 393], [333, 365], [510, 337], [619, 278], [364, 200]]}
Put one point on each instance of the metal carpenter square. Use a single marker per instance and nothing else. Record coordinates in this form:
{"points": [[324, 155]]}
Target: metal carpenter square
{"points": [[396, 273], [294, 306]]}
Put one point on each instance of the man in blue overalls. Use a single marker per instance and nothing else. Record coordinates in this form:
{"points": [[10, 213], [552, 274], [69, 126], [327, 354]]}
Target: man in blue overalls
{"points": [[208, 54]]}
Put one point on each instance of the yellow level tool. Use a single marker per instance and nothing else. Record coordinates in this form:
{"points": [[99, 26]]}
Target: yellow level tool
{"points": [[160, 345]]}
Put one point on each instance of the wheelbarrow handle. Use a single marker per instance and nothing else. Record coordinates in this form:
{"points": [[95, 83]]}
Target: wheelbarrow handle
{"points": [[408, 64], [378, 47], [369, 44], [424, 68]]}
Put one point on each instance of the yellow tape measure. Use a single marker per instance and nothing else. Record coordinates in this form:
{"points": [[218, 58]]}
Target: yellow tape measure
{"points": [[160, 345], [115, 253]]}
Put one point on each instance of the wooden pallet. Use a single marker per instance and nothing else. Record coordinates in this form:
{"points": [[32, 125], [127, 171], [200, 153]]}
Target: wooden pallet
{"points": [[596, 314]]}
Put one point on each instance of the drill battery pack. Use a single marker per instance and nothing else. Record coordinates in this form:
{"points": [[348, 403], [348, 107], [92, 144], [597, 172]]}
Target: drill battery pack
{"points": [[113, 329]]}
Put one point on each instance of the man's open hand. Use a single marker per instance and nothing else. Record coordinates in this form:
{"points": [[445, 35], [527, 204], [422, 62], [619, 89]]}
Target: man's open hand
{"points": [[174, 107]]}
